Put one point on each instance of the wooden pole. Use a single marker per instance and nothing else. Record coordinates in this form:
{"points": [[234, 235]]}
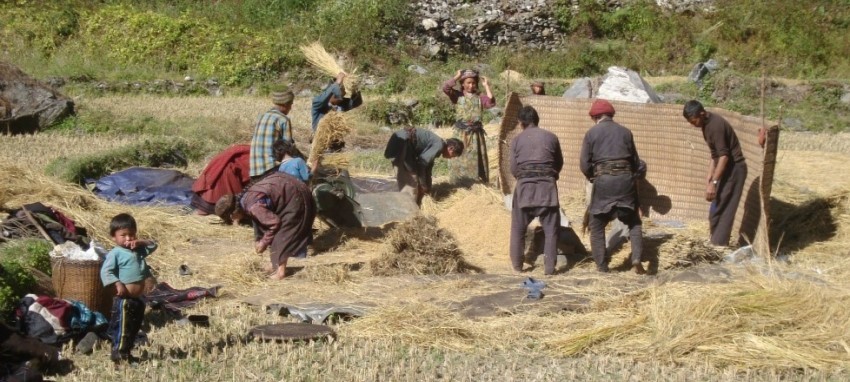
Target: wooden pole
{"points": [[37, 226]]}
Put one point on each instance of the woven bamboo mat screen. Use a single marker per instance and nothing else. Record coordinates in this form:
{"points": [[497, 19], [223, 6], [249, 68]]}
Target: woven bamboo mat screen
{"points": [[675, 152]]}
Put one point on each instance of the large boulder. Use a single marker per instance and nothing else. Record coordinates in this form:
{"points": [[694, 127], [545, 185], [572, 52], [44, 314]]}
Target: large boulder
{"points": [[621, 84], [27, 104]]}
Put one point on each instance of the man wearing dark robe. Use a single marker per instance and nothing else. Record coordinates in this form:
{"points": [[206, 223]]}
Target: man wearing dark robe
{"points": [[536, 161], [610, 160], [413, 152], [727, 170]]}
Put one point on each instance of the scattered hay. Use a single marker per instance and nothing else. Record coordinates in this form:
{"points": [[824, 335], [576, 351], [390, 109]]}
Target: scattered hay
{"points": [[317, 56], [332, 128], [419, 247], [164, 224], [419, 324], [477, 217], [684, 251], [335, 274]]}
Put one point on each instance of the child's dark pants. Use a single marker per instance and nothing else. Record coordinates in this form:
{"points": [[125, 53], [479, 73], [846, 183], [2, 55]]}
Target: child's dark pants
{"points": [[127, 315]]}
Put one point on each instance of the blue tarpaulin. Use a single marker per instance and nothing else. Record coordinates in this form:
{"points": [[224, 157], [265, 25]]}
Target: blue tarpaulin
{"points": [[146, 186]]}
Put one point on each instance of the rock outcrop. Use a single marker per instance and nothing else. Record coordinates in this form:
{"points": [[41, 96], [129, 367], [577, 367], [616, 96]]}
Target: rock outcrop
{"points": [[29, 105]]}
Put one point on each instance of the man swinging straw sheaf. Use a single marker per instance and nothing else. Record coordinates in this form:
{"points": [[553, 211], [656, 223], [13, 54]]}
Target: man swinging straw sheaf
{"points": [[469, 105]]}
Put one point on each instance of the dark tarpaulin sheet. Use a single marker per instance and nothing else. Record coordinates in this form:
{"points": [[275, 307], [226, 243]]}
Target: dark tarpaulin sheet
{"points": [[146, 186]]}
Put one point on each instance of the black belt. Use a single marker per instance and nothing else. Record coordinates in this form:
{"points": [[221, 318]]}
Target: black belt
{"points": [[536, 171], [614, 167]]}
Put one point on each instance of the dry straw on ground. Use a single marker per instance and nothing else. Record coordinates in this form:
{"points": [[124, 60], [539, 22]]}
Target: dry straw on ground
{"points": [[419, 247], [317, 56]]}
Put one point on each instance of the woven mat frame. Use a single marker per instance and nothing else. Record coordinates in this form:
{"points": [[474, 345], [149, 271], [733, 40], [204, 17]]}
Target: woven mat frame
{"points": [[675, 152]]}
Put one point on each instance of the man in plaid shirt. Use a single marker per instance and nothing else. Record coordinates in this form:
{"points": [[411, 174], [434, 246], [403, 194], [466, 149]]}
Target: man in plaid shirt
{"points": [[273, 125]]}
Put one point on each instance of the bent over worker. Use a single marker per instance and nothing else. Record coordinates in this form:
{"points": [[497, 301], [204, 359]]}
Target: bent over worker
{"points": [[610, 160], [727, 170], [413, 152], [536, 161]]}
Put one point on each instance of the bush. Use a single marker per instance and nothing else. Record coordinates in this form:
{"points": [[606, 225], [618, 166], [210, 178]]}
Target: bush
{"points": [[185, 44], [17, 259], [150, 153]]}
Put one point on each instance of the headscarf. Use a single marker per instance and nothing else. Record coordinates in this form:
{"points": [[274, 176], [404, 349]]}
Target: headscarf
{"points": [[468, 73], [283, 98], [600, 107]]}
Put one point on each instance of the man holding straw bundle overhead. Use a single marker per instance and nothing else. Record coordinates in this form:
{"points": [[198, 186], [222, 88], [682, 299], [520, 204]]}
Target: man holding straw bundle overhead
{"points": [[333, 98], [272, 126], [469, 105]]}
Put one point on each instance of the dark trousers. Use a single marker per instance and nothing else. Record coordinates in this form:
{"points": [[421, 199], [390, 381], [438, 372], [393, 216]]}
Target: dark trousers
{"points": [[597, 224], [126, 321], [721, 215], [550, 219]]}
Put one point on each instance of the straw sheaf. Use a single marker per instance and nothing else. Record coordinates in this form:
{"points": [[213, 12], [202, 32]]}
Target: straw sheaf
{"points": [[317, 56], [332, 128]]}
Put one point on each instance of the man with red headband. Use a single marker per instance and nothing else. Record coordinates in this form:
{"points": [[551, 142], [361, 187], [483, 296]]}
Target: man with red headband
{"points": [[610, 160]]}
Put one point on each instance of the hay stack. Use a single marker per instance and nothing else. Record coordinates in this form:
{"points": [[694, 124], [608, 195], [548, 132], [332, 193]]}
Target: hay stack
{"points": [[419, 247], [333, 127], [317, 56]]}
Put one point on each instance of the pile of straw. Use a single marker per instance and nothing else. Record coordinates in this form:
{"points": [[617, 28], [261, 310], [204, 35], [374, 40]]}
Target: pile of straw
{"points": [[419, 247], [317, 56], [687, 251], [333, 128]]}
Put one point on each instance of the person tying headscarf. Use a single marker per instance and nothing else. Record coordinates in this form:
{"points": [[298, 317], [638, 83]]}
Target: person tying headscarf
{"points": [[469, 105]]}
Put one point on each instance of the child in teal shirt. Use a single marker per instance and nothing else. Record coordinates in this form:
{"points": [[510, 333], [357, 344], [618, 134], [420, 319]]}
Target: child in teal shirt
{"points": [[125, 267]]}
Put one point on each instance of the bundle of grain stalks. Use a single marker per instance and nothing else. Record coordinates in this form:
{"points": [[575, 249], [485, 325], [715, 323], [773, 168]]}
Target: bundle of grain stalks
{"points": [[331, 131], [317, 56], [418, 246]]}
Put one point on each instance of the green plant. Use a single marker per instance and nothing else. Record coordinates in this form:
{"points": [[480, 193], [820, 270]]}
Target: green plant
{"points": [[17, 260]]}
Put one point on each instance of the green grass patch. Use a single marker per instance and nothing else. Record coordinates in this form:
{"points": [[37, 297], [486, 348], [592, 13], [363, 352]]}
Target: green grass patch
{"points": [[150, 153], [17, 259]]}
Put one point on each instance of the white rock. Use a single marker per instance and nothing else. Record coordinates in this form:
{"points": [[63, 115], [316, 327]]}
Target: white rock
{"points": [[621, 84], [429, 24]]}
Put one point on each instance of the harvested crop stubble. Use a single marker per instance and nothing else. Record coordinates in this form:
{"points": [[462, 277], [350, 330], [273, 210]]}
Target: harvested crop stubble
{"points": [[333, 127], [765, 322], [422, 324], [317, 56], [419, 247]]}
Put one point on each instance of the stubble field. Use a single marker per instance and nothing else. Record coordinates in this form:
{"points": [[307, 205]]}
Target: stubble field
{"points": [[765, 320]]}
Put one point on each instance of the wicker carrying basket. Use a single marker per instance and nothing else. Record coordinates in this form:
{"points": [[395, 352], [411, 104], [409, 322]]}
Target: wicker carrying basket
{"points": [[80, 280]]}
